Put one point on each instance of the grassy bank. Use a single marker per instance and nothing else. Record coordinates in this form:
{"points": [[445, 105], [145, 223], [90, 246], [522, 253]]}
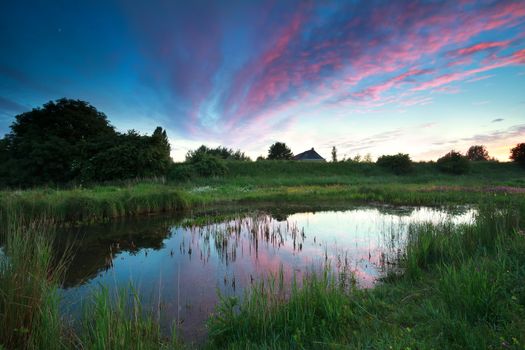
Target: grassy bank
{"points": [[95, 204], [462, 288], [291, 182]]}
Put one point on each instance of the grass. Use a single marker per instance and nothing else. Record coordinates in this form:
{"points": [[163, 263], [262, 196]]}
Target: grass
{"points": [[270, 181], [30, 275], [462, 289], [95, 204], [119, 322]]}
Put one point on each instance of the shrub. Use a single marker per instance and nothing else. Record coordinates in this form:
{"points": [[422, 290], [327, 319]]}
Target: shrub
{"points": [[453, 163], [181, 172], [399, 163], [219, 152], [517, 154]]}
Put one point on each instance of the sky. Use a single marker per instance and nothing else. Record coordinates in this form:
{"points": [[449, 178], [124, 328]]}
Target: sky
{"points": [[378, 77]]}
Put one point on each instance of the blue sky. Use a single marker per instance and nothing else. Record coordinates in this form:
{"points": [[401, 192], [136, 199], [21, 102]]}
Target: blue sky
{"points": [[379, 77]]}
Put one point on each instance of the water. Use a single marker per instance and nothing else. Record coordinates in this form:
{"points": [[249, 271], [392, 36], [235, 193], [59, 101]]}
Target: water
{"points": [[180, 263]]}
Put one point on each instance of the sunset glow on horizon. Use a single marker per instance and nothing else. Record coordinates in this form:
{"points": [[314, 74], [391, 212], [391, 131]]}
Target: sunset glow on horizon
{"points": [[417, 77]]}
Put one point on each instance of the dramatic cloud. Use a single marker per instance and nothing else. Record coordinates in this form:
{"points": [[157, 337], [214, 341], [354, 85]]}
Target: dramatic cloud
{"points": [[246, 73]]}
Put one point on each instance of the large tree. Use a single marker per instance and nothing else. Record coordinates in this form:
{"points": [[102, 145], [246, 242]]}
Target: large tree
{"points": [[70, 140], [49, 144], [478, 153], [279, 151]]}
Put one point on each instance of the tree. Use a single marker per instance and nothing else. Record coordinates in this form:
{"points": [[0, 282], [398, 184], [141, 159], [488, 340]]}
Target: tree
{"points": [[478, 153], [517, 154], [47, 144], [219, 152], [454, 163], [334, 154], [367, 158], [279, 151], [69, 140]]}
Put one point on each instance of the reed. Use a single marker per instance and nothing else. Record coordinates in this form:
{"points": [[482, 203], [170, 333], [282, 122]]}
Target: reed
{"points": [[462, 288], [118, 321], [30, 274]]}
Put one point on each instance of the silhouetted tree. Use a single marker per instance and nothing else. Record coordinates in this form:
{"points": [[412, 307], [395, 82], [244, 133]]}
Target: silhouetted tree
{"points": [[49, 144], [279, 151], [517, 154], [478, 153], [454, 163], [367, 158], [334, 154], [68, 140]]}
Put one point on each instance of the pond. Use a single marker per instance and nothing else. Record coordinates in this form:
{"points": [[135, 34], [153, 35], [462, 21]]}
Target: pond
{"points": [[180, 263]]}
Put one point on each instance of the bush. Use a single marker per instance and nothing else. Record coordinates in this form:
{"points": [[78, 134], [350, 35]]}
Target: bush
{"points": [[202, 164], [399, 163], [207, 166], [453, 163], [181, 172], [219, 152]]}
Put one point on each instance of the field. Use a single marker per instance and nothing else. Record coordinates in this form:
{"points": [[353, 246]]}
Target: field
{"points": [[456, 287]]}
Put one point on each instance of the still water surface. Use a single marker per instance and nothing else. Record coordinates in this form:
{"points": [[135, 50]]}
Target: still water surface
{"points": [[180, 263]]}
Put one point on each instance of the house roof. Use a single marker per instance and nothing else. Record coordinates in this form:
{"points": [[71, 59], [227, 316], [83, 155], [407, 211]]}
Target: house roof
{"points": [[308, 155]]}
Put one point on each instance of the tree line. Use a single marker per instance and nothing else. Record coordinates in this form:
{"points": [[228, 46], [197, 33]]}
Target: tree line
{"points": [[70, 141]]}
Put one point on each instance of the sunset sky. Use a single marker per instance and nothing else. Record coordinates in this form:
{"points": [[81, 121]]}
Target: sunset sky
{"points": [[379, 77]]}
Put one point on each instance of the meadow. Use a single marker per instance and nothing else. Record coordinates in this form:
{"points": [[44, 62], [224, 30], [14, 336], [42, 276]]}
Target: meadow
{"points": [[457, 286], [301, 183]]}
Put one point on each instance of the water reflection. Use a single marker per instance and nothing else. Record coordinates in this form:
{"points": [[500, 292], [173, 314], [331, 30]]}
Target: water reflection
{"points": [[181, 262]]}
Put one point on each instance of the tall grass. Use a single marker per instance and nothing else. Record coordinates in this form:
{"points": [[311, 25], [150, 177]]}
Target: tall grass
{"points": [[119, 322], [91, 205], [283, 181], [462, 288], [29, 275]]}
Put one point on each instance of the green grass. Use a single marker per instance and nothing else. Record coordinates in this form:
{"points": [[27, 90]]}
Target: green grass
{"points": [[30, 275], [94, 204], [270, 181], [461, 286], [463, 289], [119, 322]]}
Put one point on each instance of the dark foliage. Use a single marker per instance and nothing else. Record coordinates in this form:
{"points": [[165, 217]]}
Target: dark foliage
{"points": [[453, 163], [69, 140], [219, 152], [334, 154], [399, 163], [478, 153], [517, 154], [279, 151], [207, 165], [200, 165]]}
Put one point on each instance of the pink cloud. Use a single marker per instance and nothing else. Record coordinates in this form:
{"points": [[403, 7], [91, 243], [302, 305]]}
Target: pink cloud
{"points": [[483, 47]]}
